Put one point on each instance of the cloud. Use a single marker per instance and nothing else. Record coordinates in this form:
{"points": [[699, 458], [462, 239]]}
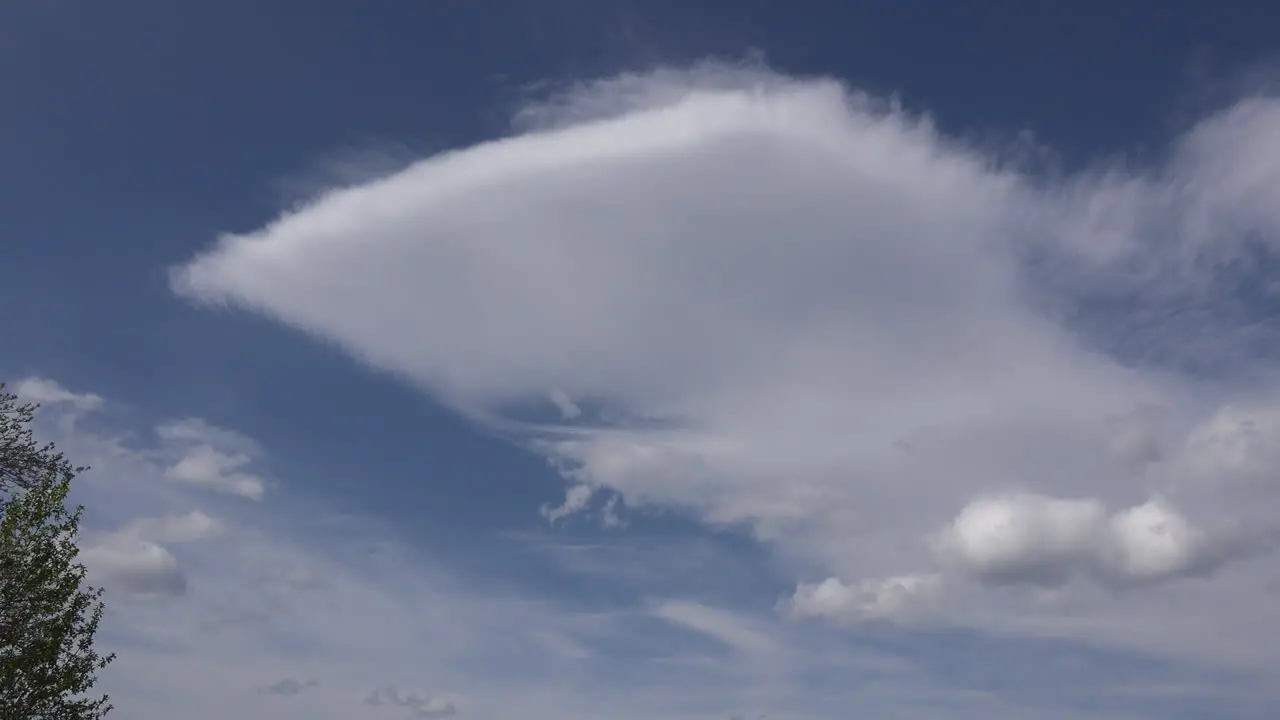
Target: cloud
{"points": [[288, 686], [48, 392], [204, 466], [1032, 539], [568, 409], [201, 607], [197, 431], [350, 603], [173, 528], [1237, 444], [1231, 181], [772, 283], [135, 557], [139, 567], [722, 625], [1153, 541], [134, 560], [420, 706], [1137, 438], [212, 458], [897, 599], [575, 500], [1024, 538], [609, 517]]}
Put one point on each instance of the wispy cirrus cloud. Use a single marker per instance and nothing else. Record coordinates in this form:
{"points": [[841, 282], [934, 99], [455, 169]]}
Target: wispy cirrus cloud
{"points": [[724, 626], [212, 597]]}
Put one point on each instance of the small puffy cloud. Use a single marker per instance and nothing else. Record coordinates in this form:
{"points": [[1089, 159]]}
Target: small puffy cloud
{"points": [[576, 499], [722, 625], [134, 559], [201, 432], [194, 525], [49, 392], [569, 410], [1153, 540], [207, 467], [896, 598], [138, 567], [419, 706], [212, 457]]}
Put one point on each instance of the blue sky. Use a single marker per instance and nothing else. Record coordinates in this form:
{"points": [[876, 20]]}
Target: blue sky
{"points": [[577, 359]]}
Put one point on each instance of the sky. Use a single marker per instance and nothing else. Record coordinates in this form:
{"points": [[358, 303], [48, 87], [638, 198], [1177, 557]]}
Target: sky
{"points": [[563, 360]]}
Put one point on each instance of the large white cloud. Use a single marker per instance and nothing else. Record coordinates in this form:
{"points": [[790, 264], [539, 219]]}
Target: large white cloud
{"points": [[1024, 537], [780, 304], [1041, 540]]}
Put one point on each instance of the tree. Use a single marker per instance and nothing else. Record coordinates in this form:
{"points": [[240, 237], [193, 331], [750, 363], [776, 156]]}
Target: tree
{"points": [[22, 459], [48, 616]]}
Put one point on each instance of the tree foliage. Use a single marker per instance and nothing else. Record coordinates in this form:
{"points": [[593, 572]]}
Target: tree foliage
{"points": [[48, 616], [22, 459]]}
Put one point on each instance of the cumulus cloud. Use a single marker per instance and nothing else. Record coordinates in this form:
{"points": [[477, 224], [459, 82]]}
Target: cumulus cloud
{"points": [[1024, 538], [1033, 539], [212, 458], [173, 528], [1153, 540], [49, 392], [134, 557], [204, 466], [771, 282], [134, 560], [139, 567], [897, 599]]}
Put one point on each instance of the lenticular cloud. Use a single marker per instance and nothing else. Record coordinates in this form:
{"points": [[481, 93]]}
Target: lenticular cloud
{"points": [[827, 307]]}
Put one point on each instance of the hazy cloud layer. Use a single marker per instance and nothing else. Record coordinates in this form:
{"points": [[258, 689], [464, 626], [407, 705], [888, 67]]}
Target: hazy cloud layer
{"points": [[288, 588]]}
